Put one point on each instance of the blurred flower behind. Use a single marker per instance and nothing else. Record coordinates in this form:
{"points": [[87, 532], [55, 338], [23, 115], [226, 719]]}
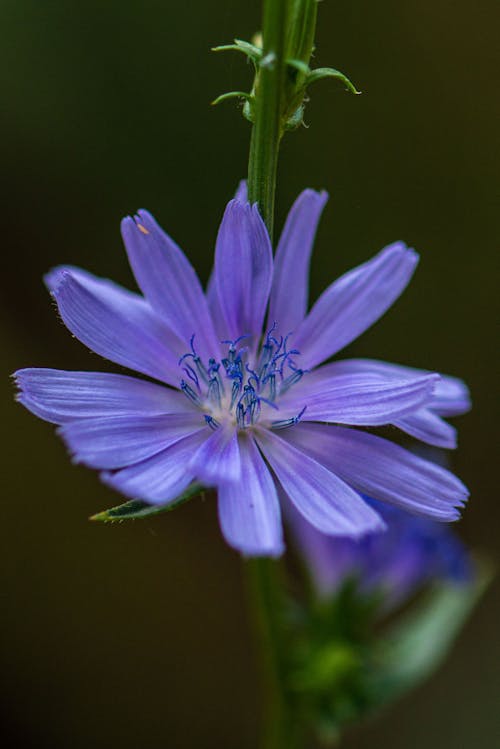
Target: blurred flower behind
{"points": [[393, 564], [347, 658]]}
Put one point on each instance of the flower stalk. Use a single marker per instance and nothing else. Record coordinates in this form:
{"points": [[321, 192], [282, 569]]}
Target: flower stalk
{"points": [[280, 57], [269, 123], [266, 601], [269, 101]]}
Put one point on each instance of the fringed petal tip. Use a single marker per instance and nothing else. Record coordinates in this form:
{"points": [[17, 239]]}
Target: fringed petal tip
{"points": [[452, 397], [241, 194], [354, 302], [383, 470], [57, 277], [168, 281]]}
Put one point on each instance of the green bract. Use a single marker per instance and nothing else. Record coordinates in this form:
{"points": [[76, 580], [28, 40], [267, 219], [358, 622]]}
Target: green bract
{"points": [[298, 49]]}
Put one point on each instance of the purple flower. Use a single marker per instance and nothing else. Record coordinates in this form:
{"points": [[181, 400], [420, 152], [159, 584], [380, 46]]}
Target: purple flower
{"points": [[411, 552], [238, 403]]}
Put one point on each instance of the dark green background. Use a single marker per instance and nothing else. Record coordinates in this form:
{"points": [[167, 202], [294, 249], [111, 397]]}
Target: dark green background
{"points": [[136, 635]]}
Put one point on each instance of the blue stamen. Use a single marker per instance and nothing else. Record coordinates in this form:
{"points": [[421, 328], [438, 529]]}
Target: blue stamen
{"points": [[272, 329], [271, 340], [291, 380], [214, 391], [271, 379], [213, 366], [232, 347], [254, 410], [265, 358], [248, 383], [269, 403], [277, 343], [253, 376], [232, 344], [240, 416], [213, 372], [235, 392], [190, 353], [285, 423], [192, 375], [285, 356], [248, 395], [197, 361], [212, 423], [234, 370], [189, 393], [201, 369]]}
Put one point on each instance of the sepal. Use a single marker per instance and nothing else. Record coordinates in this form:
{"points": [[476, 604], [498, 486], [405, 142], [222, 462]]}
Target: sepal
{"points": [[299, 76], [320, 73], [252, 51], [136, 509], [418, 643], [339, 668], [231, 95]]}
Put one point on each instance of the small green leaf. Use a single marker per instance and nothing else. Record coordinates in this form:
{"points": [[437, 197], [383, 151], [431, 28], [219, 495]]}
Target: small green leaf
{"points": [[250, 50], [418, 644], [320, 73], [231, 95], [302, 67], [137, 509]]}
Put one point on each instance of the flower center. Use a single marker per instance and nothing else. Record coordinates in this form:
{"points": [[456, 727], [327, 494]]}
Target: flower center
{"points": [[241, 388]]}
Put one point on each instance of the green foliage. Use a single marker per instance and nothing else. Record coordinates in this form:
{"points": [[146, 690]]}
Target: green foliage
{"points": [[298, 49], [338, 665], [413, 649], [136, 509]]}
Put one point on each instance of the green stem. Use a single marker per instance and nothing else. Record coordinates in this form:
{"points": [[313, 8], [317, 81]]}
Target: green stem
{"points": [[269, 107], [270, 113], [265, 592]]}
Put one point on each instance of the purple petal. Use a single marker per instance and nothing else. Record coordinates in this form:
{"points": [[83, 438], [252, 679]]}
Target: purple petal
{"points": [[118, 441], [161, 478], [353, 303], [169, 282], [116, 324], [383, 470], [289, 293], [249, 511], [243, 270], [241, 194], [429, 427], [218, 459], [215, 309], [319, 495], [361, 400], [451, 395], [60, 397]]}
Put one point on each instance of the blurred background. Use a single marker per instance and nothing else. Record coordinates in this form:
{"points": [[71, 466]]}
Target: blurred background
{"points": [[136, 635]]}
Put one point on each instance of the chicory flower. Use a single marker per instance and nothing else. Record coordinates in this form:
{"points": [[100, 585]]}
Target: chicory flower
{"points": [[236, 396]]}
